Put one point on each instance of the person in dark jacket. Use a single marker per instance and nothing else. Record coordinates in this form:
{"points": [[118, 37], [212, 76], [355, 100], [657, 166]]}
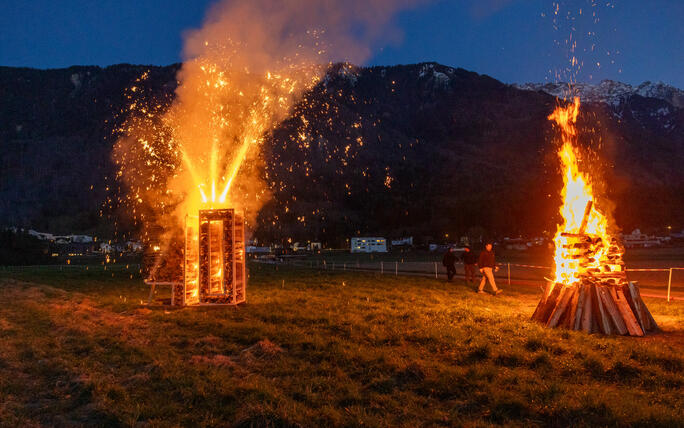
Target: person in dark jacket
{"points": [[449, 262], [469, 262], [487, 264]]}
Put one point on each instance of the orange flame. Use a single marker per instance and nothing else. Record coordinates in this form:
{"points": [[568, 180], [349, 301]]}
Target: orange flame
{"points": [[577, 192]]}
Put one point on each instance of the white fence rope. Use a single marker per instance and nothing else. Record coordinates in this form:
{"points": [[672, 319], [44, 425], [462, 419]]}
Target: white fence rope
{"points": [[433, 269]]}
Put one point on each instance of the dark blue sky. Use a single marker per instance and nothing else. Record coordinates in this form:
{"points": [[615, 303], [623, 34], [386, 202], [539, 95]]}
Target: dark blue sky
{"points": [[511, 40]]}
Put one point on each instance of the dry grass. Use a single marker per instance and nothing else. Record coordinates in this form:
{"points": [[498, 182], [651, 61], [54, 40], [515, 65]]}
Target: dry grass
{"points": [[320, 349]]}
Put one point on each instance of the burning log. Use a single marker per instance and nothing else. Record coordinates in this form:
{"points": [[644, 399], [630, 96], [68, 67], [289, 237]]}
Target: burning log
{"points": [[585, 217]]}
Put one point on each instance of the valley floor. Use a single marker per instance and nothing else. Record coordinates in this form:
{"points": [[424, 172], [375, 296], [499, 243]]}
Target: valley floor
{"points": [[320, 349]]}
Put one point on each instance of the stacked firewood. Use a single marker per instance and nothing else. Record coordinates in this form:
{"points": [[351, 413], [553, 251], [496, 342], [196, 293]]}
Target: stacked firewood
{"points": [[585, 248], [592, 308], [599, 299]]}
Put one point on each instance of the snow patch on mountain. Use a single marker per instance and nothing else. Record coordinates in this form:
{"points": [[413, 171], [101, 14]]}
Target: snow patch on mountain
{"points": [[440, 78], [609, 91]]}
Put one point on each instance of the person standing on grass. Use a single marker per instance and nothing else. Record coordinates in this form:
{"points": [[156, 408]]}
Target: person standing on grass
{"points": [[469, 262], [449, 262], [488, 265]]}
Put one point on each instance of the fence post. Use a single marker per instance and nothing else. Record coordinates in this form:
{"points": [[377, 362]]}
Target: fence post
{"points": [[509, 274], [382, 268], [396, 268], [333, 266], [344, 266], [669, 285], [435, 270]]}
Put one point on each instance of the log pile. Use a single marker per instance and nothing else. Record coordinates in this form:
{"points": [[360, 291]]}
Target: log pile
{"points": [[597, 298], [585, 249], [595, 308]]}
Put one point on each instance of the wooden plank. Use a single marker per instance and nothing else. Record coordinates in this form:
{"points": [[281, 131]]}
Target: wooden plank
{"points": [[585, 218], [627, 315], [563, 300], [542, 303], [632, 295], [612, 310], [642, 312], [600, 314], [579, 307], [550, 303], [569, 321], [587, 311], [652, 325]]}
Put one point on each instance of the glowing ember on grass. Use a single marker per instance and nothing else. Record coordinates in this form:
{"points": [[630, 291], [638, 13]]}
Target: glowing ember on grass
{"points": [[589, 290]]}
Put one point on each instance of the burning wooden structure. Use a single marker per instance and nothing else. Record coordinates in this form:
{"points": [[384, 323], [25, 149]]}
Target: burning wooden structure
{"points": [[211, 268], [214, 265], [589, 290], [599, 299]]}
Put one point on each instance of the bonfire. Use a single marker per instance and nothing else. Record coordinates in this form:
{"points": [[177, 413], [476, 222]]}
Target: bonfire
{"points": [[589, 290]]}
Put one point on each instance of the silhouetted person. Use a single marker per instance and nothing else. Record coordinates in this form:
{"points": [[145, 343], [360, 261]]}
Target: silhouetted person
{"points": [[487, 265], [469, 262], [449, 262]]}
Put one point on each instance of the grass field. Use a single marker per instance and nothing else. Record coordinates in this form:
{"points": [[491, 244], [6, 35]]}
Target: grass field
{"points": [[320, 349]]}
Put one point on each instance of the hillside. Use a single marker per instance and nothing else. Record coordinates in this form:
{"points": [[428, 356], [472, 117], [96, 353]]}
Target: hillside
{"points": [[419, 149]]}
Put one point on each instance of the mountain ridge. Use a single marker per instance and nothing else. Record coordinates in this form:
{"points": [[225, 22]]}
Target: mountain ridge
{"points": [[609, 91], [455, 147]]}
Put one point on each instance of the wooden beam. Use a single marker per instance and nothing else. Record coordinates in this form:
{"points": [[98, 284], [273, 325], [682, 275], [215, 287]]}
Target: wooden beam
{"points": [[587, 311], [569, 320], [579, 307], [612, 310], [603, 321], [627, 315], [634, 301], [585, 218], [563, 300]]}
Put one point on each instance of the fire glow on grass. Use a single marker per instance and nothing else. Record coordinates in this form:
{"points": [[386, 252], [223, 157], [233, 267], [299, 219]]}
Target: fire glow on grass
{"points": [[577, 195]]}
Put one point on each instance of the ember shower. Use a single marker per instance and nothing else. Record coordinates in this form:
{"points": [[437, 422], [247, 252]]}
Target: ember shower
{"points": [[244, 70]]}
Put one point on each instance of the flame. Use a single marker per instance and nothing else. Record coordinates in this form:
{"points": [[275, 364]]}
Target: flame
{"points": [[576, 194]]}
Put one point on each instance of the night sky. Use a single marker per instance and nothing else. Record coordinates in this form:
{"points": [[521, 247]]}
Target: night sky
{"points": [[511, 40]]}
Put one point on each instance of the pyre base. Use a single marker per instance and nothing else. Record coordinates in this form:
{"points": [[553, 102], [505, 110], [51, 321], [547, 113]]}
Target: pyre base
{"points": [[595, 309]]}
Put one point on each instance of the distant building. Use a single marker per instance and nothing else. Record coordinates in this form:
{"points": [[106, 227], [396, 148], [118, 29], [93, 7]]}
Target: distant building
{"points": [[253, 249], [638, 239], [403, 242], [297, 246], [134, 246], [41, 235], [368, 245], [81, 239]]}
